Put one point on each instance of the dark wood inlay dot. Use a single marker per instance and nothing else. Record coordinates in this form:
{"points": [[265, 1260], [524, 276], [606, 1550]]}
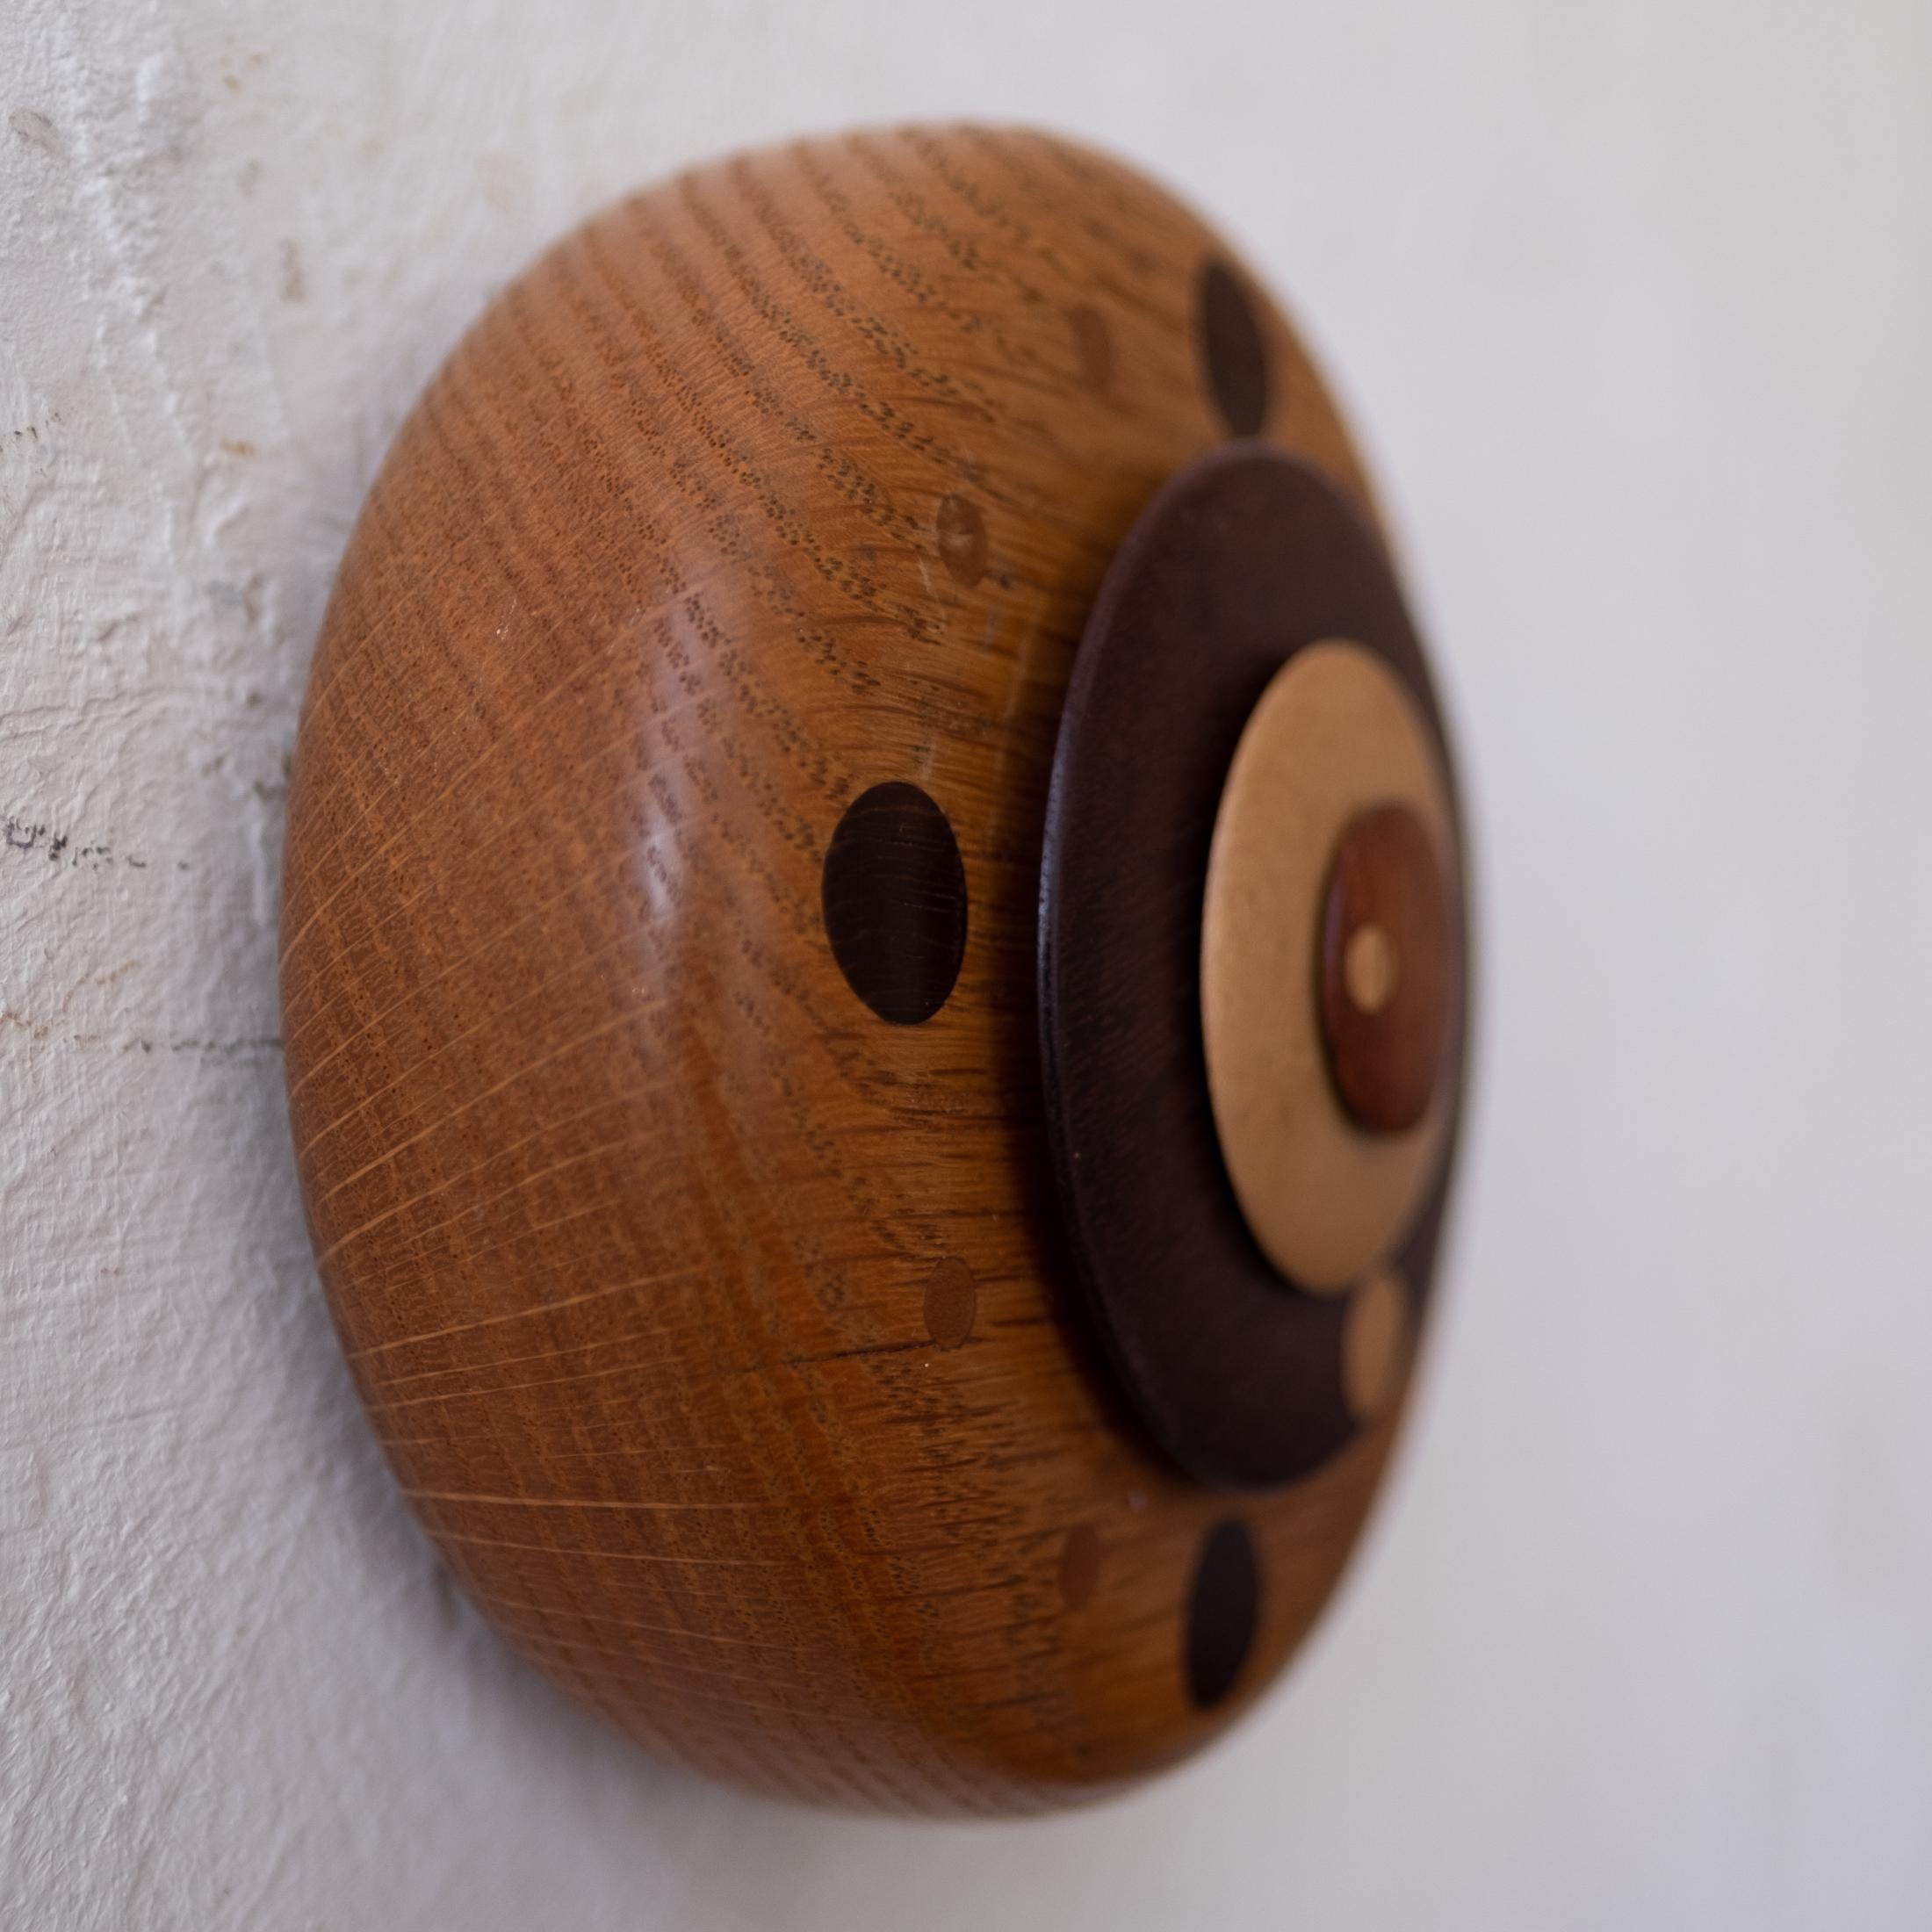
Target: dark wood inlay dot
{"points": [[1224, 1608], [893, 896], [1232, 351], [952, 1303]]}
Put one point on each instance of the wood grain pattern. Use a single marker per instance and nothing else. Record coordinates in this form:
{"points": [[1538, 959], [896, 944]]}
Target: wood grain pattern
{"points": [[644, 1235]]}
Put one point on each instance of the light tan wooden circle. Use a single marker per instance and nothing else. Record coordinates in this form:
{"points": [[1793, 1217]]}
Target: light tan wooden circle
{"points": [[1375, 1341], [1334, 734]]}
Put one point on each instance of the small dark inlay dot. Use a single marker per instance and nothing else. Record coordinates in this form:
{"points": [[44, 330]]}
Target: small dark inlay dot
{"points": [[1080, 1566], [1222, 1612], [1093, 343], [952, 1303], [1232, 349], [893, 896], [961, 540]]}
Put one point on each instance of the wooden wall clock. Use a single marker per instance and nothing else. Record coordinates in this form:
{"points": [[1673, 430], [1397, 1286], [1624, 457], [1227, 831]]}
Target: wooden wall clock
{"points": [[873, 970]]}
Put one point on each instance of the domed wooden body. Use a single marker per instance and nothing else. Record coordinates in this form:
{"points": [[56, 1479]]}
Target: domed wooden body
{"points": [[689, 1223]]}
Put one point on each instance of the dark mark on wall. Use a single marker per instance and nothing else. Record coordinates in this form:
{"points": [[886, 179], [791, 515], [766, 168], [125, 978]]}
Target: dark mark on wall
{"points": [[21, 836], [262, 1049], [265, 1045], [218, 1049], [30, 124]]}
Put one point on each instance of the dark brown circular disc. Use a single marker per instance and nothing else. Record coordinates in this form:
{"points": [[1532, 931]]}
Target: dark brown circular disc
{"points": [[1385, 969], [1242, 558]]}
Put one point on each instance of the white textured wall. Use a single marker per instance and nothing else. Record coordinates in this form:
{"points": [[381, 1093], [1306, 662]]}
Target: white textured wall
{"points": [[1634, 302]]}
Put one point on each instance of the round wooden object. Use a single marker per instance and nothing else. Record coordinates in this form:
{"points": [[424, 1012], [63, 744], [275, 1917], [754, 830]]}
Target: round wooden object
{"points": [[661, 901], [1339, 732]]}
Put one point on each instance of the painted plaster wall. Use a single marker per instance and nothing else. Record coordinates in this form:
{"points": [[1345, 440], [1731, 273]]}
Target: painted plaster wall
{"points": [[1633, 303]]}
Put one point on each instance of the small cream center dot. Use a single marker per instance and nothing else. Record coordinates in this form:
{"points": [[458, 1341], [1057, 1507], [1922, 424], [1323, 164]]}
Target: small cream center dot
{"points": [[1369, 968]]}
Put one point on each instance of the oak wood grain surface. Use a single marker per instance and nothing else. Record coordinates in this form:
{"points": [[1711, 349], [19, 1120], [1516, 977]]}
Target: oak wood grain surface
{"points": [[718, 1327]]}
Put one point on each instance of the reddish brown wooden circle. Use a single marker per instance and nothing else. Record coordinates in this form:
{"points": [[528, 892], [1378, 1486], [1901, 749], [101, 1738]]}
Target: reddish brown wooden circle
{"points": [[1387, 971]]}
